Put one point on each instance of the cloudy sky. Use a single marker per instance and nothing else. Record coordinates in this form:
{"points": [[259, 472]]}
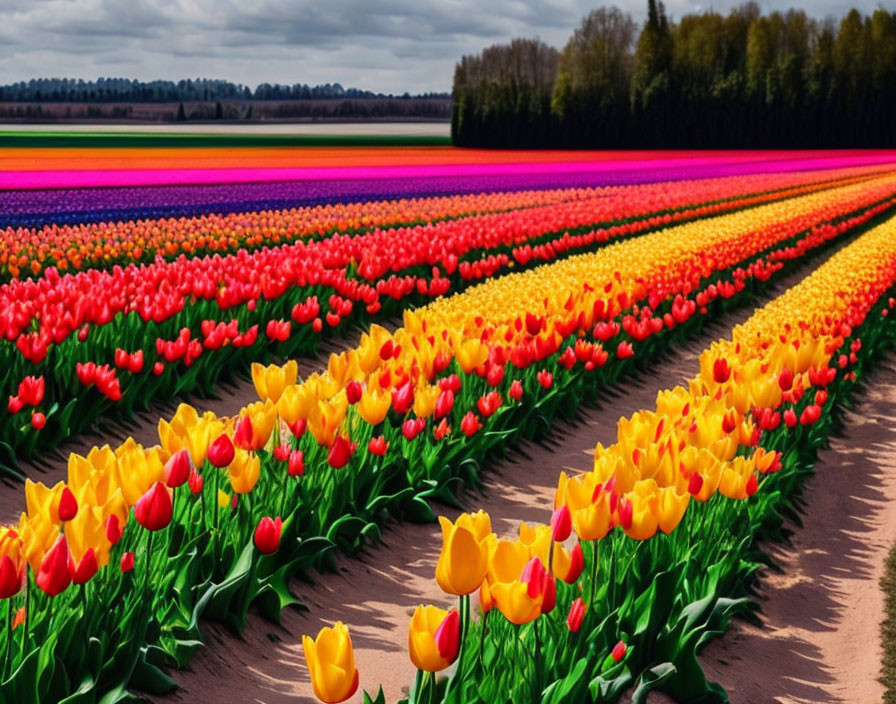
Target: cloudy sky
{"points": [[382, 45]]}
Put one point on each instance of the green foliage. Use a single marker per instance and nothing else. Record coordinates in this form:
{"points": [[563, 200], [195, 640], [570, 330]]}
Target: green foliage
{"points": [[744, 80]]}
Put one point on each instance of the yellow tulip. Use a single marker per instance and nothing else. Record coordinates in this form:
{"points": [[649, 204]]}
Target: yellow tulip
{"points": [[40, 499], [671, 506], [463, 561], [263, 415], [270, 381], [506, 561], [433, 638], [643, 499], [374, 405], [173, 433], [470, 354], [513, 600], [326, 417], [37, 533], [331, 662], [425, 398], [296, 402], [137, 470], [735, 481], [244, 471]]}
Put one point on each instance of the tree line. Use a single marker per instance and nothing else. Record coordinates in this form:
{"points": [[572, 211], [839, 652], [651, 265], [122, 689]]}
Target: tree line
{"points": [[126, 90], [744, 80]]}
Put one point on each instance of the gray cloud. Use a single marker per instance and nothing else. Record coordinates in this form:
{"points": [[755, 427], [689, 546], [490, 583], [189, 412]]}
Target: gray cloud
{"points": [[382, 45]]}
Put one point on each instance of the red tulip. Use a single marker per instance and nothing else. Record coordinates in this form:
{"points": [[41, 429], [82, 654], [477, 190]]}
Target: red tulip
{"points": [[412, 427], [561, 524], [576, 615], [178, 468], [810, 414], [68, 505], [624, 350], [470, 424], [242, 437], [86, 568], [403, 398], [576, 564], [447, 636], [378, 446], [158, 368], [295, 464], [113, 529], [195, 482], [450, 383], [489, 403], [516, 390], [15, 405], [695, 484], [221, 451], [281, 452], [545, 378], [127, 562], [540, 583], [785, 379], [298, 428], [31, 390], [341, 452], [790, 419], [444, 403], [619, 651], [353, 391], [721, 372], [267, 535], [11, 579], [38, 420], [55, 573], [154, 509], [442, 429]]}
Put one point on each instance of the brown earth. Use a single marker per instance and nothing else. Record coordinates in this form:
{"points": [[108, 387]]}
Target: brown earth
{"points": [[822, 608]]}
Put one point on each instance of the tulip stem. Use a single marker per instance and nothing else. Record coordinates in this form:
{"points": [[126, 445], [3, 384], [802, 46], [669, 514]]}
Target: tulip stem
{"points": [[148, 564], [415, 692], [594, 556], [535, 660], [215, 501], [8, 637], [464, 627], [27, 623], [482, 634]]}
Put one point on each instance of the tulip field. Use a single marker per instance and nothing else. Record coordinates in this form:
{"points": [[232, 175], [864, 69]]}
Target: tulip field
{"points": [[479, 299]]}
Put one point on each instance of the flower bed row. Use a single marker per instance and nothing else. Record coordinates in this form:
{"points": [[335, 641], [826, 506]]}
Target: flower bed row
{"points": [[647, 556], [103, 244], [111, 340], [71, 206], [156, 538]]}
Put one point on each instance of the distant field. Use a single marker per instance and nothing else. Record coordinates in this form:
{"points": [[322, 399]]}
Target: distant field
{"points": [[227, 135], [307, 129]]}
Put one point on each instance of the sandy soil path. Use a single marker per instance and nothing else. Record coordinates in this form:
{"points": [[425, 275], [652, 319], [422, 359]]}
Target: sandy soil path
{"points": [[821, 611]]}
